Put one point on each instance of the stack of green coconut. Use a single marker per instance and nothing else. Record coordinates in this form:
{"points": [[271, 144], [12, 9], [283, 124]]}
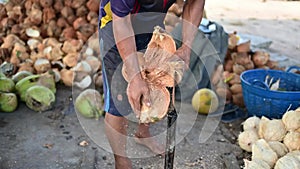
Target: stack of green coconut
{"points": [[37, 91]]}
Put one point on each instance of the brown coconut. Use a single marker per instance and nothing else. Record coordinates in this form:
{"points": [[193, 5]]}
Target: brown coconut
{"points": [[260, 58], [42, 65], [93, 5], [238, 69], [67, 76], [70, 59], [236, 88], [94, 63]]}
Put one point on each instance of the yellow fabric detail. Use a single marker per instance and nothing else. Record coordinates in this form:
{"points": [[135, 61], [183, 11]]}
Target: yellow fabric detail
{"points": [[108, 17]]}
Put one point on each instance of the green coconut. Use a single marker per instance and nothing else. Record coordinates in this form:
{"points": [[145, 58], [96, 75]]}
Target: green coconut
{"points": [[2, 74], [8, 102], [89, 104], [20, 75], [24, 84], [39, 98], [6, 85], [205, 101]]}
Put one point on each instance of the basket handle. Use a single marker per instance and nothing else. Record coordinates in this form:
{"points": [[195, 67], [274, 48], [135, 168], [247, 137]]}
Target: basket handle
{"points": [[261, 83], [292, 68]]}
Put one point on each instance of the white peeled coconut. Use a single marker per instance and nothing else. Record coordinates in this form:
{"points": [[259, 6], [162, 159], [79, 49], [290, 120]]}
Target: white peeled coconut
{"points": [[295, 154], [279, 148], [291, 120], [271, 130], [84, 83], [32, 32], [261, 150], [246, 139], [251, 123], [42, 65], [256, 164], [292, 140], [82, 66], [288, 162]]}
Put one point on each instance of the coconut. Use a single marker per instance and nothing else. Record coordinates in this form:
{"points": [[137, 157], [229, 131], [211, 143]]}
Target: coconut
{"points": [[232, 40], [56, 75], [236, 88], [260, 58], [98, 79], [6, 84], [84, 83], [33, 44], [235, 79], [72, 46], [291, 120], [271, 130], [20, 75], [244, 47], [205, 101], [287, 162], [7, 68], [94, 63], [82, 66], [238, 69], [261, 150], [20, 52], [241, 58], [292, 140], [26, 66], [70, 59], [67, 76], [45, 80], [8, 102], [89, 104], [256, 164], [160, 99], [42, 65], [252, 123], [39, 98], [33, 32], [238, 99], [279, 148], [246, 139]]}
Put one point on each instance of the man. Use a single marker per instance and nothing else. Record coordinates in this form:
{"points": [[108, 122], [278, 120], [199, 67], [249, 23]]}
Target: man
{"points": [[125, 28]]}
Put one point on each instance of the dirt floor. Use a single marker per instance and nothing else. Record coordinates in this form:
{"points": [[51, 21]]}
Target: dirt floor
{"points": [[50, 140]]}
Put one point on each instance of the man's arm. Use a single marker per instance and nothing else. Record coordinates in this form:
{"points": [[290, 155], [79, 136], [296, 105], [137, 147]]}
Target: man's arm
{"points": [[125, 41], [192, 15]]}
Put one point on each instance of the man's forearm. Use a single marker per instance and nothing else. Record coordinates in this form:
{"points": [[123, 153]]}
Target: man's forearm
{"points": [[125, 41], [192, 15]]}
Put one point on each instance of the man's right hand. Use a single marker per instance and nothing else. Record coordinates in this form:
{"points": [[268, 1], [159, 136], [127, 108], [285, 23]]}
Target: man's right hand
{"points": [[138, 94]]}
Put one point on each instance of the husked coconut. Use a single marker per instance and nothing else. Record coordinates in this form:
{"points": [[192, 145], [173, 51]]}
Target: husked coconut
{"points": [[260, 58], [288, 162], [252, 123], [279, 148], [70, 59], [94, 63], [82, 66], [72, 46], [271, 130], [256, 164], [261, 150], [291, 120], [67, 76], [84, 83], [33, 32], [42, 65], [292, 140], [247, 138], [98, 79], [238, 69]]}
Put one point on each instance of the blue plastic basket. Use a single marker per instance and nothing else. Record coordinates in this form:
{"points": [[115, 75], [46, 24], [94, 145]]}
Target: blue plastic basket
{"points": [[261, 101]]}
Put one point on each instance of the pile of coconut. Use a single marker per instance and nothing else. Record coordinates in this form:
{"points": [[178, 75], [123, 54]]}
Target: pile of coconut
{"points": [[239, 58], [38, 36], [274, 143]]}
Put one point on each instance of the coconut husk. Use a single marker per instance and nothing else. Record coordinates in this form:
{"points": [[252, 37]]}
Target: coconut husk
{"points": [[160, 99]]}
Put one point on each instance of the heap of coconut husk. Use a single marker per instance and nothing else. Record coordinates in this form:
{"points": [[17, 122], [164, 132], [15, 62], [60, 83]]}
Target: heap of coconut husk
{"points": [[51, 35], [239, 58]]}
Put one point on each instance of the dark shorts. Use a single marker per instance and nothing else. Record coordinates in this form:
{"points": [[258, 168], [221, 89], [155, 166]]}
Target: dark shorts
{"points": [[114, 85]]}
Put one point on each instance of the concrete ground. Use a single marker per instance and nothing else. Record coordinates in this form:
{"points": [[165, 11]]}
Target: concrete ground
{"points": [[50, 140]]}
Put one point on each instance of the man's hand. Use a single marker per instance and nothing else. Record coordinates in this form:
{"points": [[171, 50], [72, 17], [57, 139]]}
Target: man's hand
{"points": [[138, 94], [182, 53]]}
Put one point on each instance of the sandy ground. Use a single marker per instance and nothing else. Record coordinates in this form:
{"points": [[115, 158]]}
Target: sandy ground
{"points": [[275, 20]]}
